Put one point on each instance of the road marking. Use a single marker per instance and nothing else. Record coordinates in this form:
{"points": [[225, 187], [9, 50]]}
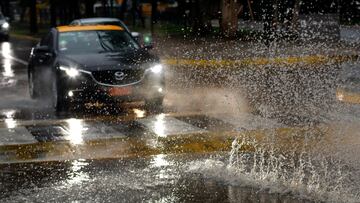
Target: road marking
{"points": [[8, 56], [285, 140], [80, 139], [163, 126], [80, 130], [83, 139], [75, 131], [16, 136], [310, 60], [347, 96], [48, 133], [87, 131], [307, 60]]}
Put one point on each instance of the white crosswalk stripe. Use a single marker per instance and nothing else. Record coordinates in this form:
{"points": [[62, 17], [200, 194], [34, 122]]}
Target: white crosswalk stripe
{"points": [[164, 126], [15, 136], [78, 130], [86, 131]]}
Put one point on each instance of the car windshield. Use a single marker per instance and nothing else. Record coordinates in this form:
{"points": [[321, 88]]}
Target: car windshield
{"points": [[104, 23], [96, 41]]}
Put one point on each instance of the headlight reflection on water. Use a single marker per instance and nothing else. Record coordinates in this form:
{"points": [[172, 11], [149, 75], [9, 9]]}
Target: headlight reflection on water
{"points": [[159, 161], [139, 113], [9, 120], [77, 176], [8, 71], [6, 49], [159, 125], [75, 130], [6, 53]]}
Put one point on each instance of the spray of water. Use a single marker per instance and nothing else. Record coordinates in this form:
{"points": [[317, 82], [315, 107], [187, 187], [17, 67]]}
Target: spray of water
{"points": [[305, 168], [311, 164]]}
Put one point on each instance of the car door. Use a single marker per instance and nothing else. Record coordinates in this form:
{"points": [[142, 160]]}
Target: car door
{"points": [[44, 57]]}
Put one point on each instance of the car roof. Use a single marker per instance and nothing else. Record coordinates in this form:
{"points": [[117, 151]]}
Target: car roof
{"points": [[70, 28], [96, 20]]}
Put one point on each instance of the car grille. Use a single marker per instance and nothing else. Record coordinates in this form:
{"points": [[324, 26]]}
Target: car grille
{"points": [[118, 77]]}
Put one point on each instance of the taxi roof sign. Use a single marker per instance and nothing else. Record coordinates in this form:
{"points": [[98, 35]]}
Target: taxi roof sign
{"points": [[88, 28]]}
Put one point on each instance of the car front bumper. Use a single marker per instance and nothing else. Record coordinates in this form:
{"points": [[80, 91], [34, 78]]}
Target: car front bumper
{"points": [[86, 88]]}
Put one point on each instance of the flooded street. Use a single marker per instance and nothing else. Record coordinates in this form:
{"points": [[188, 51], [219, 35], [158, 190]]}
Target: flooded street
{"points": [[159, 178], [278, 129]]}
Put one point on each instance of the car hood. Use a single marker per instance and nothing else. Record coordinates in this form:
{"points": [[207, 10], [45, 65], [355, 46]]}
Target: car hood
{"points": [[110, 61]]}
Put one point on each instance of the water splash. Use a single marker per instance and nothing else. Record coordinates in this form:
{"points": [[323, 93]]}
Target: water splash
{"points": [[302, 171]]}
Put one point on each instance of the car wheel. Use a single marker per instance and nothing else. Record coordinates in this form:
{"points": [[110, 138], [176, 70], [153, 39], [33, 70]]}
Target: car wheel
{"points": [[59, 102], [33, 87], [154, 105]]}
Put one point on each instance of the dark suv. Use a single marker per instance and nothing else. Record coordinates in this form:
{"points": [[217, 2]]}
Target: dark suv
{"points": [[88, 63]]}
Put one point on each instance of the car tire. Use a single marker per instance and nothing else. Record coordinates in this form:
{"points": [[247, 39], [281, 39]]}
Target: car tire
{"points": [[154, 105], [59, 102], [33, 85]]}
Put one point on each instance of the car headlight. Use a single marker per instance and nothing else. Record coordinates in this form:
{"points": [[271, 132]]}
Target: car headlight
{"points": [[71, 72], [5, 25], [157, 69]]}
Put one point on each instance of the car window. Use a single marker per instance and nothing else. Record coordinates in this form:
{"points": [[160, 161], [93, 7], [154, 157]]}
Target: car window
{"points": [[96, 42], [47, 40], [76, 22]]}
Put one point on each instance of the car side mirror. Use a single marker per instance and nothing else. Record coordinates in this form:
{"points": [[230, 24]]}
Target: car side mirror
{"points": [[148, 46], [44, 50], [136, 36]]}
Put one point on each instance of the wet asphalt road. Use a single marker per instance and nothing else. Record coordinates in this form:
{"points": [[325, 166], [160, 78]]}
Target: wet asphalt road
{"points": [[151, 179], [197, 100], [290, 94]]}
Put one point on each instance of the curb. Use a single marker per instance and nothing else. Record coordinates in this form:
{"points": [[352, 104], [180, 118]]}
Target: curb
{"points": [[283, 139]]}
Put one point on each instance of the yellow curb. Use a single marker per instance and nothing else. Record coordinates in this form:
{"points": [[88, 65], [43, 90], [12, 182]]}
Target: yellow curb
{"points": [[348, 96], [25, 37], [283, 140], [306, 60]]}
